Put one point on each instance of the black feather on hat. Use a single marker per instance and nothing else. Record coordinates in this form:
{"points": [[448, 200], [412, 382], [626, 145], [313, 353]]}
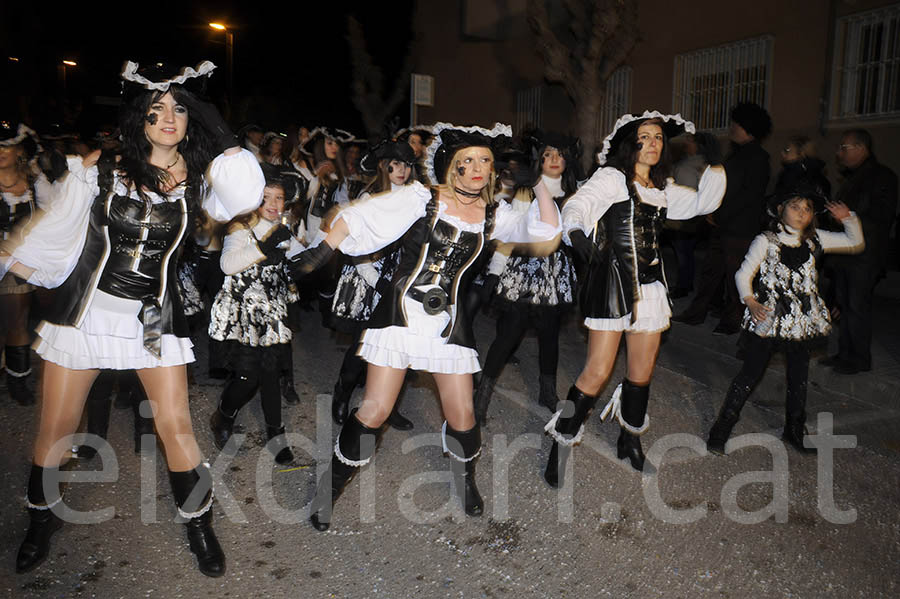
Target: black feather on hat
{"points": [[387, 150]]}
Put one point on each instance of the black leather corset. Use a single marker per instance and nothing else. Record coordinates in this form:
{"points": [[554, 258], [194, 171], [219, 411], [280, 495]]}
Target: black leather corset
{"points": [[140, 245], [448, 250], [633, 229], [11, 216]]}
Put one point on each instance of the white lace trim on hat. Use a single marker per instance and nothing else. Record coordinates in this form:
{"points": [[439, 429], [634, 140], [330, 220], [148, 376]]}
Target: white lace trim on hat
{"points": [[130, 74]]}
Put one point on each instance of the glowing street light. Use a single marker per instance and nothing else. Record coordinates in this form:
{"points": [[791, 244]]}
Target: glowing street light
{"points": [[229, 58], [70, 63]]}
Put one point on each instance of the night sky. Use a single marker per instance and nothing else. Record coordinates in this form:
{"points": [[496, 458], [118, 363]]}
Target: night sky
{"points": [[291, 64]]}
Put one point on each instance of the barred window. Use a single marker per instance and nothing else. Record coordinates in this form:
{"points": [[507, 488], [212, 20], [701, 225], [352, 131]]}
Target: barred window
{"points": [[529, 106], [617, 100], [867, 65], [709, 82]]}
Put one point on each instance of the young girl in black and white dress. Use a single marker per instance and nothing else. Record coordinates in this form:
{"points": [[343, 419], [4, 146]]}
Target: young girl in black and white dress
{"points": [[778, 283], [364, 279], [533, 291], [250, 313]]}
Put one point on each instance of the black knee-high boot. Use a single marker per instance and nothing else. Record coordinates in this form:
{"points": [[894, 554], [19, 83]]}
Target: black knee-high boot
{"points": [[354, 449], [43, 522], [463, 448], [729, 414], [795, 413], [566, 429], [352, 370], [633, 421], [193, 496], [238, 391], [286, 377], [18, 369]]}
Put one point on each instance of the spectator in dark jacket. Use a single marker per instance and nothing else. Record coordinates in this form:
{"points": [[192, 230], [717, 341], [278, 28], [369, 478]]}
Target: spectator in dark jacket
{"points": [[870, 190], [738, 219]]}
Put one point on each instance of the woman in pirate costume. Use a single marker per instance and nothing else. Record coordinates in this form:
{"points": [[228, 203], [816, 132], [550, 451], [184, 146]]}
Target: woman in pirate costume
{"points": [[22, 192], [613, 222], [110, 244], [533, 291], [419, 322], [364, 279], [250, 312]]}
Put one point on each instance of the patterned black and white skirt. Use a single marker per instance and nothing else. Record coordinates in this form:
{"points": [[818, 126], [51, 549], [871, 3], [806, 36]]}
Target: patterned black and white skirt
{"points": [[538, 281], [354, 299]]}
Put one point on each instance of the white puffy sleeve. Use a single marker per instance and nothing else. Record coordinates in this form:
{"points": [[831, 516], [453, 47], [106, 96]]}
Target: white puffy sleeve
{"points": [[237, 184], [592, 200], [851, 241], [743, 278], [239, 252], [382, 219], [44, 192], [522, 227], [53, 244], [684, 202]]}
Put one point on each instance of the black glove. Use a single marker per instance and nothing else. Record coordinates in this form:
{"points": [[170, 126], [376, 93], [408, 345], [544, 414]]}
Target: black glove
{"points": [[268, 245], [272, 238], [309, 260], [209, 117], [488, 288], [582, 246], [383, 286]]}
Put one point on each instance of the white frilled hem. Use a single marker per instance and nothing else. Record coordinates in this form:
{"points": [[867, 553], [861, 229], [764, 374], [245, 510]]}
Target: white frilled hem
{"points": [[653, 313], [111, 336], [418, 346]]}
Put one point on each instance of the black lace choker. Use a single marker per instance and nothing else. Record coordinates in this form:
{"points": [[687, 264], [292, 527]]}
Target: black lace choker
{"points": [[467, 194]]}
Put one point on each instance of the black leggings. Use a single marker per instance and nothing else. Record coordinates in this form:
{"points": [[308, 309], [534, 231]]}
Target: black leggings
{"points": [[242, 386], [511, 327], [758, 351]]}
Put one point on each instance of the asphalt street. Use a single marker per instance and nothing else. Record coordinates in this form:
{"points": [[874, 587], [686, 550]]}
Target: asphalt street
{"points": [[763, 521]]}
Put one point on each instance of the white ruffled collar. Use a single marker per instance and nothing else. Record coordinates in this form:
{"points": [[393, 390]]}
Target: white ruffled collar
{"points": [[458, 222]]}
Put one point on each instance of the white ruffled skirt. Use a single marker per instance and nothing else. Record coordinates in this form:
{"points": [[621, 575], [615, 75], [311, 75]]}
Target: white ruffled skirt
{"points": [[653, 313], [418, 346], [111, 337]]}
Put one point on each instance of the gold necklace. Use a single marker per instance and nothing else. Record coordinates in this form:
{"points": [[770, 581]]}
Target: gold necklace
{"points": [[177, 158], [642, 180]]}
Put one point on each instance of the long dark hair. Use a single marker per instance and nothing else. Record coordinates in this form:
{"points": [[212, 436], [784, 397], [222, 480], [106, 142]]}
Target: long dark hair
{"points": [[340, 168], [625, 156], [570, 174], [196, 148], [382, 180]]}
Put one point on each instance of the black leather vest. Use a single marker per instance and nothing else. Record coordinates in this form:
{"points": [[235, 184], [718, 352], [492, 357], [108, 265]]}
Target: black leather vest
{"points": [[627, 256], [12, 216], [434, 252], [324, 198], [131, 255]]}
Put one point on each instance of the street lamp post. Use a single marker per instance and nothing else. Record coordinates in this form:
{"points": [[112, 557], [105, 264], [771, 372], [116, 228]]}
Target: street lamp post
{"points": [[229, 59], [62, 73]]}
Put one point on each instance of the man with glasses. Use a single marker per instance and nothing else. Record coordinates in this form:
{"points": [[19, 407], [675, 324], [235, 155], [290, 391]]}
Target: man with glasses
{"points": [[870, 190]]}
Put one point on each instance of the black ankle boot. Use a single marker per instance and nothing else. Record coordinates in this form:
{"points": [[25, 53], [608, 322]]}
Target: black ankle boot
{"points": [[222, 426], [634, 422], [565, 428], [463, 448], [400, 422], [18, 369], [43, 522], [340, 399], [482, 398], [287, 388], [198, 513], [729, 414], [279, 447], [793, 435], [354, 449]]}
